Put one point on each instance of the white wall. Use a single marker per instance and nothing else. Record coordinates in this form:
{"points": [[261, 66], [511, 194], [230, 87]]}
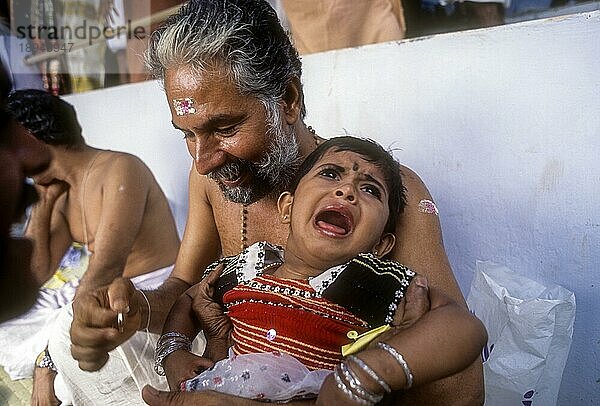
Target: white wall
{"points": [[502, 124], [504, 127]]}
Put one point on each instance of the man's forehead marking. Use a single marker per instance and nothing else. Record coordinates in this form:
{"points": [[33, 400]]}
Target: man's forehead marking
{"points": [[355, 167], [184, 106]]}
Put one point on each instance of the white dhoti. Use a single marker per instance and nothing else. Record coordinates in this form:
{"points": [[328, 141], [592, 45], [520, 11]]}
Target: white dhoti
{"points": [[128, 369], [25, 336]]}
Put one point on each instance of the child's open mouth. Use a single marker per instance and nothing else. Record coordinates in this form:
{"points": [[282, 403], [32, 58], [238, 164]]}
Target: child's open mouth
{"points": [[335, 221]]}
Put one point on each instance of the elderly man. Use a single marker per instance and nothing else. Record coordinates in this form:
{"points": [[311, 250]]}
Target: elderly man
{"points": [[101, 212], [232, 81]]}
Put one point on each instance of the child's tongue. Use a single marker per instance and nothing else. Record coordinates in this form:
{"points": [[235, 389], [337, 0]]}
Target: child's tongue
{"points": [[331, 227]]}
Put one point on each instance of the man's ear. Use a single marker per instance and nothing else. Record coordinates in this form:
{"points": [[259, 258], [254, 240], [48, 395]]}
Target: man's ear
{"points": [[284, 206], [293, 99], [385, 245]]}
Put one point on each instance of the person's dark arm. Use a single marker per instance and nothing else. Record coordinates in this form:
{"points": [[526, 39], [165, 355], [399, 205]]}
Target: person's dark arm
{"points": [[154, 397]]}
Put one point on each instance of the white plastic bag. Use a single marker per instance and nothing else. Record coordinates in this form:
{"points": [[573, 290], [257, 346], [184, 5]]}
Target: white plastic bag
{"points": [[530, 329]]}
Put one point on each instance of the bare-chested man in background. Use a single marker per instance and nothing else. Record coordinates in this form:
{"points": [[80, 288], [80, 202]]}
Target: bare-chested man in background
{"points": [[107, 203]]}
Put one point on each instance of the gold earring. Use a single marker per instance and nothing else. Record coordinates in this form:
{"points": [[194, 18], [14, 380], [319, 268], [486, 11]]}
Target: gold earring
{"points": [[375, 252]]}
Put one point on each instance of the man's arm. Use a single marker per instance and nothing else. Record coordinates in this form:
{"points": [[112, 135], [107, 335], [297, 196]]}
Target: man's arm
{"points": [[49, 231], [125, 189], [419, 246], [419, 243], [443, 341], [154, 397], [199, 247]]}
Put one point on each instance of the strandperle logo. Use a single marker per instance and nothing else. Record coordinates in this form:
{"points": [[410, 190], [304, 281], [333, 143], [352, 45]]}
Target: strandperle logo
{"points": [[69, 35]]}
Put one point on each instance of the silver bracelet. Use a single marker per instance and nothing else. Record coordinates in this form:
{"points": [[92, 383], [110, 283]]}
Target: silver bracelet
{"points": [[342, 386], [167, 344], [369, 371], [400, 359], [356, 385]]}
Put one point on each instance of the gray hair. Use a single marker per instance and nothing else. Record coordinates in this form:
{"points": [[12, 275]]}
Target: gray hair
{"points": [[242, 37]]}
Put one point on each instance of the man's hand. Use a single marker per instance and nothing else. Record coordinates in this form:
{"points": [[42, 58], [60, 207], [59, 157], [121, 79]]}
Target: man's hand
{"points": [[94, 331], [51, 192], [182, 365], [214, 323], [415, 304], [48, 230]]}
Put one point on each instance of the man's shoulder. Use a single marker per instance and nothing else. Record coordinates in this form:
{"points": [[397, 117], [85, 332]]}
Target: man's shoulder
{"points": [[123, 162], [112, 167], [119, 156], [407, 172], [414, 185]]}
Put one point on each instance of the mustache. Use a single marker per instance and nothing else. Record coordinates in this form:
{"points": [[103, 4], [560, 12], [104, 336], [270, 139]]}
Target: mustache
{"points": [[232, 170]]}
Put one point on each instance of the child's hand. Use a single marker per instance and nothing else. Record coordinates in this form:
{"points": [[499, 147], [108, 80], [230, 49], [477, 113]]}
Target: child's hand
{"points": [[182, 365], [215, 324]]}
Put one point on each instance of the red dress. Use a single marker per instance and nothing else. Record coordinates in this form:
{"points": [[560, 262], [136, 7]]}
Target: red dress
{"points": [[285, 315]]}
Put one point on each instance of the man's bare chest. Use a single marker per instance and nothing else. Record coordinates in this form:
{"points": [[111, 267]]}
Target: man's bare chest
{"points": [[82, 218], [242, 225]]}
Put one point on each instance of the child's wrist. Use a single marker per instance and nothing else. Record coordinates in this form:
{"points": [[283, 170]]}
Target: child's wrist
{"points": [[167, 344], [173, 360], [384, 366], [372, 383]]}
